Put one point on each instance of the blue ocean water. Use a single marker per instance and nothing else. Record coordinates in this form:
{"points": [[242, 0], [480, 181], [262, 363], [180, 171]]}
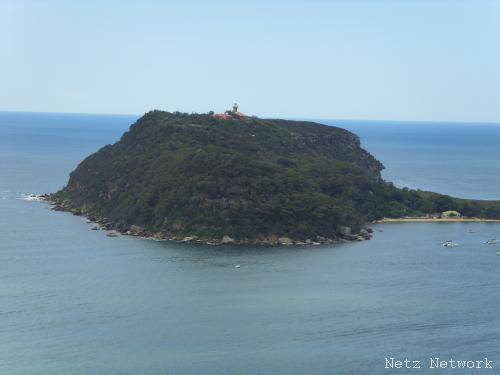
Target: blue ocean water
{"points": [[458, 159], [73, 301]]}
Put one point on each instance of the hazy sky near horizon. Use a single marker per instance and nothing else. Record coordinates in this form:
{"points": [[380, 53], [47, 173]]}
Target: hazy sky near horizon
{"points": [[400, 60]]}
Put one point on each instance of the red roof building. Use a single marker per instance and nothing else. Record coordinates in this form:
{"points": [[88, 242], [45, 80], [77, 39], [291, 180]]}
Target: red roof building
{"points": [[233, 113], [223, 116]]}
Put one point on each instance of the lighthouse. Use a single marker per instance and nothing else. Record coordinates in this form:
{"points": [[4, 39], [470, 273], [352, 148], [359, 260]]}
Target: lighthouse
{"points": [[231, 114]]}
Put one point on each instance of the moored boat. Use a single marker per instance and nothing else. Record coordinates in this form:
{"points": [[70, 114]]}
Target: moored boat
{"points": [[492, 241]]}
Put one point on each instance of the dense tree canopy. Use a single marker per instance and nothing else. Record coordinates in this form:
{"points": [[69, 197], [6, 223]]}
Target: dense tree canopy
{"points": [[182, 174]]}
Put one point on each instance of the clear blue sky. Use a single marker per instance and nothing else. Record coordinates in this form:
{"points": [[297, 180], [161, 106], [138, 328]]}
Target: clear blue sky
{"points": [[405, 60]]}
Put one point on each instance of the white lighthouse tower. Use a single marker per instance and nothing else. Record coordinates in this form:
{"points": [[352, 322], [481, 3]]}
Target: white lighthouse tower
{"points": [[235, 107]]}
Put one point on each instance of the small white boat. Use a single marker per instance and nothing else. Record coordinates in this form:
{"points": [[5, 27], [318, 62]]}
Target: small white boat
{"points": [[95, 227], [237, 266], [498, 252], [492, 241], [471, 231], [450, 243], [112, 234]]}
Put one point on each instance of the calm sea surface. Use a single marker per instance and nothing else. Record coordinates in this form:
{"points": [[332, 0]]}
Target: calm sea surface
{"points": [[73, 301]]}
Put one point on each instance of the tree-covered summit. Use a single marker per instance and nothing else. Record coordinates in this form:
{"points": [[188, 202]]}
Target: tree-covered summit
{"points": [[251, 179]]}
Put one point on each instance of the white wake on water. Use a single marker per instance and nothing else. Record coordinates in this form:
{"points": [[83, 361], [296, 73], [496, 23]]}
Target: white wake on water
{"points": [[31, 197]]}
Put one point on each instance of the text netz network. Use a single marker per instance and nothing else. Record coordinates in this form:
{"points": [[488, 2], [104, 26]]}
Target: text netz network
{"points": [[438, 363]]}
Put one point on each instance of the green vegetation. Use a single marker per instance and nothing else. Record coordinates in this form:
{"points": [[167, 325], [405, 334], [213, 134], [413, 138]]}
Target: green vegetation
{"points": [[180, 174]]}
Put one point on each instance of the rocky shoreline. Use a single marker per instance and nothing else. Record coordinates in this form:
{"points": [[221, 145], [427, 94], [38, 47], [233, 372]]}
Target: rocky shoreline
{"points": [[101, 223]]}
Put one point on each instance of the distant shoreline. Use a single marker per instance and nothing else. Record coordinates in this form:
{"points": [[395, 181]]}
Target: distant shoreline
{"points": [[437, 220]]}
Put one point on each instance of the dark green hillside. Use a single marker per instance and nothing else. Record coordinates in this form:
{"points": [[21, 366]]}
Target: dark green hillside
{"points": [[182, 175]]}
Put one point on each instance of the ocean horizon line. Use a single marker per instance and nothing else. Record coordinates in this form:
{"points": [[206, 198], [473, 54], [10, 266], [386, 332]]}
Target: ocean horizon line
{"points": [[298, 118]]}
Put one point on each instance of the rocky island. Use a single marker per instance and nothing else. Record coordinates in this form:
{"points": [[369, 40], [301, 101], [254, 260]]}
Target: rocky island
{"points": [[245, 180]]}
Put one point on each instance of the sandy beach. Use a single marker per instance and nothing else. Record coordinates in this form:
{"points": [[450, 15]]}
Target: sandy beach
{"points": [[443, 220]]}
